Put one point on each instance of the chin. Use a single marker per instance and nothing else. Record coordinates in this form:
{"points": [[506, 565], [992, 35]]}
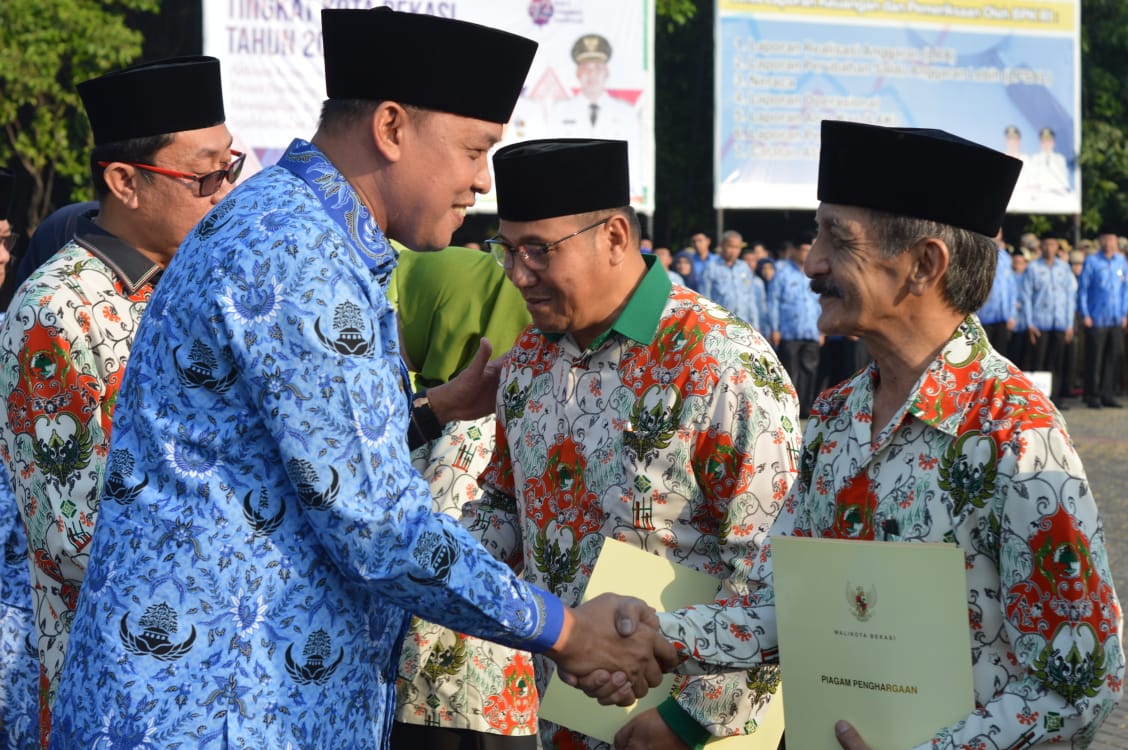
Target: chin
{"points": [[828, 326]]}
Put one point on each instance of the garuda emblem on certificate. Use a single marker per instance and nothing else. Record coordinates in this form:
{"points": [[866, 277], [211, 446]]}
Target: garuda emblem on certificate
{"points": [[861, 601]]}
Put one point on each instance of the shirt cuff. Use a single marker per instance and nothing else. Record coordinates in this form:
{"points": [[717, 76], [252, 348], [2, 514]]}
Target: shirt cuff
{"points": [[553, 611], [682, 724]]}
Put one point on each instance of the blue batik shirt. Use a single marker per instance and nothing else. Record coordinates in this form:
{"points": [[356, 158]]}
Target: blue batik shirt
{"points": [[1102, 290], [262, 534], [793, 309], [19, 661], [732, 287], [1001, 304], [1049, 295]]}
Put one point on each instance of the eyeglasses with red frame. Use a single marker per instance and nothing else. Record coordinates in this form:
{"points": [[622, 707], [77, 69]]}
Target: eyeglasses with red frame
{"points": [[209, 183]]}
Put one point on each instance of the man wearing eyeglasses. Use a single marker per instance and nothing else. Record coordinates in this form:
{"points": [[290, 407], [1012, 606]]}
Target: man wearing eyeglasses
{"points": [[263, 536], [631, 409], [161, 159]]}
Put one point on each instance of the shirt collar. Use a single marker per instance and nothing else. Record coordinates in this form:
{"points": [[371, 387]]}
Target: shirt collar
{"points": [[343, 205], [952, 384], [131, 267], [640, 318]]}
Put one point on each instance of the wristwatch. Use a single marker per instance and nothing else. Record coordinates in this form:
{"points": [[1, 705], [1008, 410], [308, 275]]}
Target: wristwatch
{"points": [[424, 426]]}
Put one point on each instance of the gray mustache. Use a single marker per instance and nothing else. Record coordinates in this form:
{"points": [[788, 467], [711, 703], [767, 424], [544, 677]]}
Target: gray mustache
{"points": [[825, 287]]}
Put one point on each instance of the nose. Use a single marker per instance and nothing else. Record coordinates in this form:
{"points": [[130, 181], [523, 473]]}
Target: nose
{"points": [[519, 274], [225, 187], [815, 264], [482, 180]]}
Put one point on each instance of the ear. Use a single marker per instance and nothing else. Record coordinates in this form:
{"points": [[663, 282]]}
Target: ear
{"points": [[931, 258], [122, 179], [390, 124], [619, 235]]}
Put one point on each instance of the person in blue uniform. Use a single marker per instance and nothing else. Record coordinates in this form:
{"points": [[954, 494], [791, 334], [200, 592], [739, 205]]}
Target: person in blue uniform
{"points": [[262, 534]]}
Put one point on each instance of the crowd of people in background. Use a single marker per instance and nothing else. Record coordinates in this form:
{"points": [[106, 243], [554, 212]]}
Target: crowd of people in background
{"points": [[1054, 309]]}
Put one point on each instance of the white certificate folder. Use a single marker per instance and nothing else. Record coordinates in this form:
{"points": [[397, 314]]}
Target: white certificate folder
{"points": [[664, 585], [875, 633]]}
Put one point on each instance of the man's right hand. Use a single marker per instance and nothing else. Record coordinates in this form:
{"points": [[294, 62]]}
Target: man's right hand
{"points": [[612, 650]]}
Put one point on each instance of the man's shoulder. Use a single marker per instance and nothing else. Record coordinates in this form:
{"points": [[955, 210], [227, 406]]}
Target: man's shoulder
{"points": [[689, 312], [272, 200], [72, 267]]}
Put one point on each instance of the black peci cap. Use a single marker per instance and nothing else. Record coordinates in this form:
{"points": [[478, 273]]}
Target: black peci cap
{"points": [[922, 173], [166, 96], [418, 59], [560, 177]]}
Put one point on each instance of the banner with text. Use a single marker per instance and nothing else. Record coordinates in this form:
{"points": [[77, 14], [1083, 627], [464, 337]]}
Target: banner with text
{"points": [[593, 75], [1004, 73]]}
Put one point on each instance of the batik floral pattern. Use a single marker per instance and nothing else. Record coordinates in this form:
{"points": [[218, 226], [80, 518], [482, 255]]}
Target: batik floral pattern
{"points": [[683, 446], [63, 350], [19, 662], [445, 678], [265, 533], [980, 458]]}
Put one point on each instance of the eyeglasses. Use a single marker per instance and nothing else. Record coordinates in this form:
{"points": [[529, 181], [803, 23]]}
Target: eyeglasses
{"points": [[209, 183], [8, 241], [533, 254]]}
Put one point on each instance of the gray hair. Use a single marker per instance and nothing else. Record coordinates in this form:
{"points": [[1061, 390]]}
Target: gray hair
{"points": [[972, 256], [731, 234]]}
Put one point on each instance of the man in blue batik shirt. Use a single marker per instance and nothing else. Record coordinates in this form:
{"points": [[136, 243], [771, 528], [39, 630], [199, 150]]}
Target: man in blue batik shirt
{"points": [[998, 314], [1049, 295], [1102, 300], [702, 258], [793, 315], [730, 282], [262, 534]]}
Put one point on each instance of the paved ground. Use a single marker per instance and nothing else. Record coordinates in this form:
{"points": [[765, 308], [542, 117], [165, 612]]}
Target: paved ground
{"points": [[1101, 437]]}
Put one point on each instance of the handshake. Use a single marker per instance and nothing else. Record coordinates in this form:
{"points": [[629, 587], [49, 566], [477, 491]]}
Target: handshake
{"points": [[611, 648]]}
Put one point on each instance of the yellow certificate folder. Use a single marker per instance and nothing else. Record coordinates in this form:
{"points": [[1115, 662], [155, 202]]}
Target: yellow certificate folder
{"points": [[664, 585], [875, 633]]}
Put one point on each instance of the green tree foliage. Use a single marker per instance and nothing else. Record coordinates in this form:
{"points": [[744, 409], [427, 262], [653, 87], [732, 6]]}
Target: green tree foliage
{"points": [[1104, 112], [46, 48], [676, 12]]}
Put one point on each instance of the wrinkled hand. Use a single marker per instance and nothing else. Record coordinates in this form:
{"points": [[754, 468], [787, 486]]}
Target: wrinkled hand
{"points": [[648, 730], [607, 665], [848, 737], [472, 393]]}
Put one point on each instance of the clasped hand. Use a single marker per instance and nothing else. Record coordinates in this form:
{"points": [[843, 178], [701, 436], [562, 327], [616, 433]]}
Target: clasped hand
{"points": [[612, 649]]}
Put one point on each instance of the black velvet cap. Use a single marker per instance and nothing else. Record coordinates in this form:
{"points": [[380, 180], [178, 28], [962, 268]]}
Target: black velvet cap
{"points": [[922, 173], [560, 177], [166, 96], [7, 182], [422, 60]]}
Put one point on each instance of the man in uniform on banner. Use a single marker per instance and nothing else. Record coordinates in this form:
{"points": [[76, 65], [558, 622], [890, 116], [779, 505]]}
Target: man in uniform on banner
{"points": [[263, 534], [593, 112], [630, 410]]}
